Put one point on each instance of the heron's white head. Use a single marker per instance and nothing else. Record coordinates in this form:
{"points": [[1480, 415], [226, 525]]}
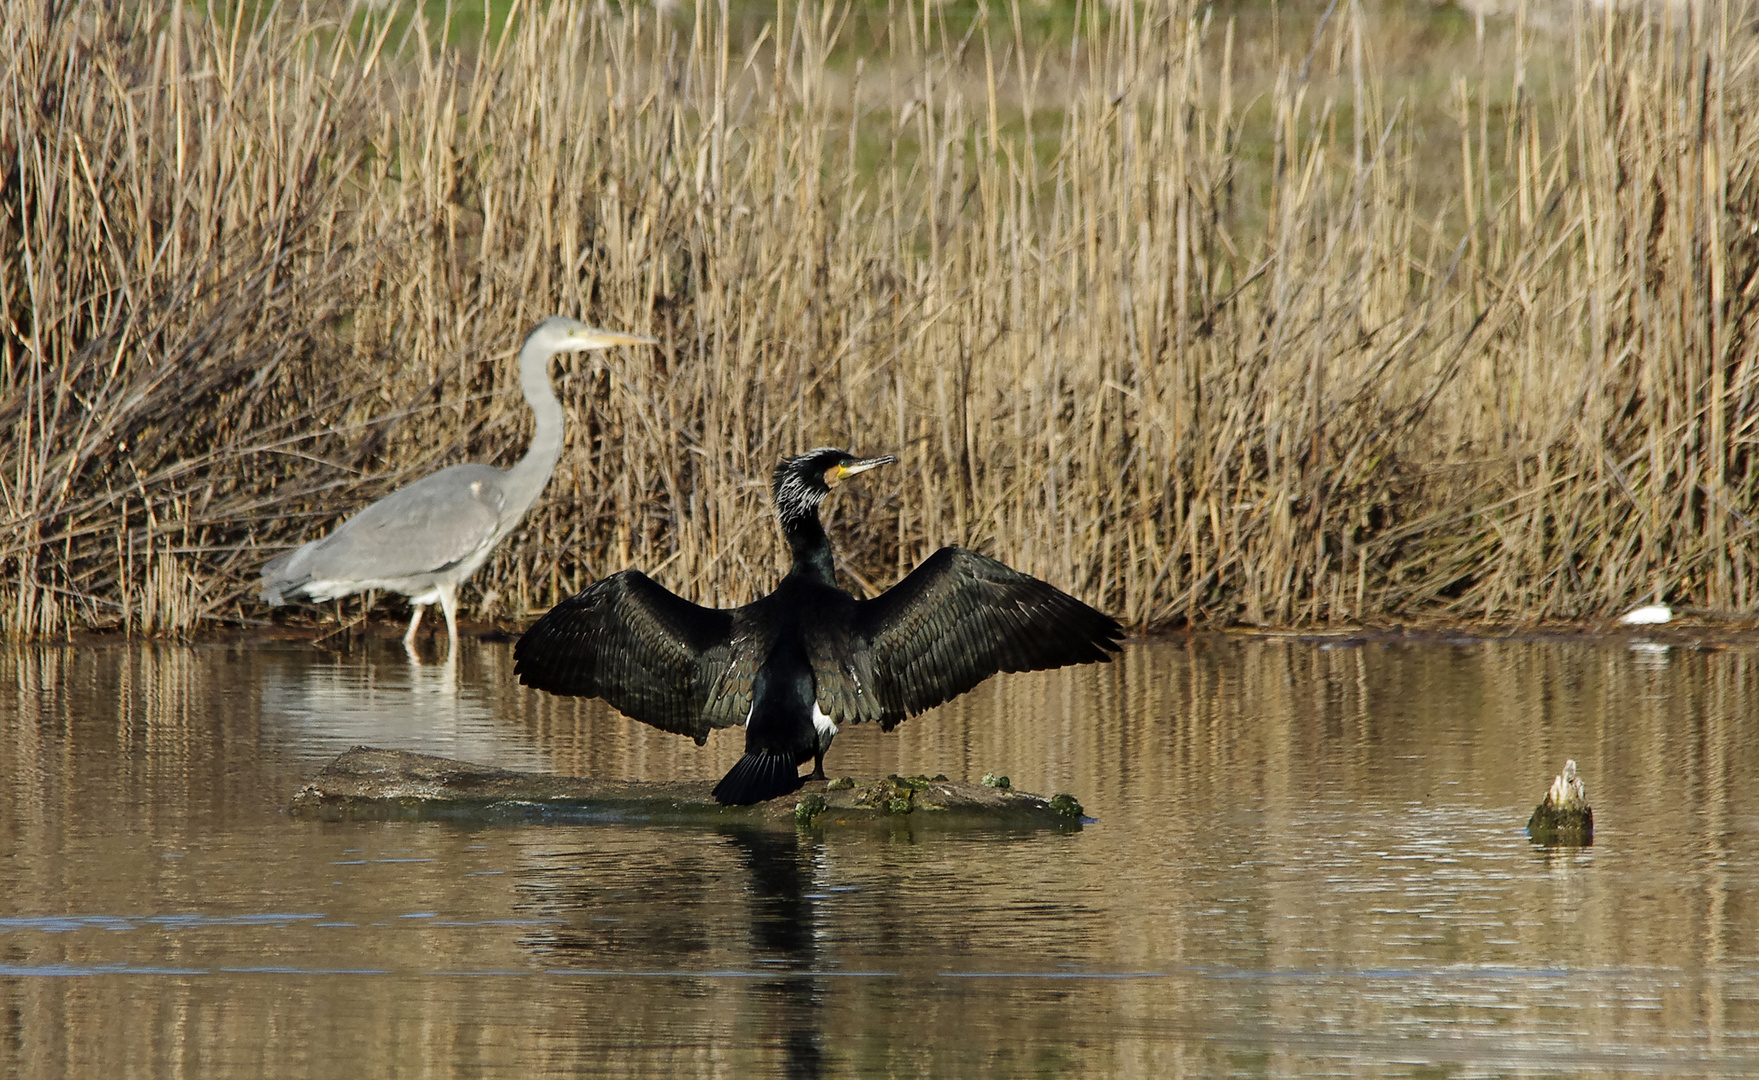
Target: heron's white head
{"points": [[558, 334]]}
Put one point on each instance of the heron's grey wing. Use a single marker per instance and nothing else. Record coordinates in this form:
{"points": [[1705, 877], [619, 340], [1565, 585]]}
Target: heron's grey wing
{"points": [[424, 528], [652, 654], [961, 617]]}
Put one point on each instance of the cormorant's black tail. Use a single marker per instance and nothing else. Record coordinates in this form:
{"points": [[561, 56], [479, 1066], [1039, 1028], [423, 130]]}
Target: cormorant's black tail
{"points": [[757, 776]]}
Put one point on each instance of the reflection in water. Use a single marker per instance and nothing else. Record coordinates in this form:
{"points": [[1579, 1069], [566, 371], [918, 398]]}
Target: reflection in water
{"points": [[1652, 655], [736, 905], [688, 902], [783, 928], [1308, 859], [322, 706]]}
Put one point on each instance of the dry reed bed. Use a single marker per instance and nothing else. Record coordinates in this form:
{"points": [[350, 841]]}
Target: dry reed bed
{"points": [[254, 275]]}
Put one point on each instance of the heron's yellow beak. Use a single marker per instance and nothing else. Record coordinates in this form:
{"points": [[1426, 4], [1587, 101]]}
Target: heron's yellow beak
{"points": [[594, 338]]}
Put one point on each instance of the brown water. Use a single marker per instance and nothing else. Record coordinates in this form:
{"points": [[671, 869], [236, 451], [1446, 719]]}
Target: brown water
{"points": [[1308, 859]]}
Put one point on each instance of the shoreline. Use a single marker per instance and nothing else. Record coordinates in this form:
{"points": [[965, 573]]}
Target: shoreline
{"points": [[1687, 631]]}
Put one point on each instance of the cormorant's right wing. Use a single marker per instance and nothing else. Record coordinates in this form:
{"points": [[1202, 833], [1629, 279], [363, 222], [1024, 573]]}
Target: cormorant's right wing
{"points": [[652, 654], [961, 617]]}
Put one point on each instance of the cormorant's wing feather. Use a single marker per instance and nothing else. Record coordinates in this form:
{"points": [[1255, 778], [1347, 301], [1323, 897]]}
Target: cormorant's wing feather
{"points": [[652, 654], [843, 675], [961, 617]]}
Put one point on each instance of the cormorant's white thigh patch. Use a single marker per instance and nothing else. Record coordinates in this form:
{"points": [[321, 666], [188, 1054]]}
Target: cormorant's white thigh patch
{"points": [[821, 723]]}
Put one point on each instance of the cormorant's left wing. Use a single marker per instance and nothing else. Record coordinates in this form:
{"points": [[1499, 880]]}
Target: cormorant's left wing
{"points": [[961, 617], [652, 654]]}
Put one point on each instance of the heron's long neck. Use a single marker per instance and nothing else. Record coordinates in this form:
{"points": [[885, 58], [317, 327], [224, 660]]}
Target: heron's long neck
{"points": [[811, 547], [526, 480]]}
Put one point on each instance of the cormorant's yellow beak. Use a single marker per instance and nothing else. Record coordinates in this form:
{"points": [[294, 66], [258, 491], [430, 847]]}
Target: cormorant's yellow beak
{"points": [[836, 473]]}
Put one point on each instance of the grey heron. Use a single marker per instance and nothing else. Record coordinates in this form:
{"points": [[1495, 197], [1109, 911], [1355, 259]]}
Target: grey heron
{"points": [[425, 539]]}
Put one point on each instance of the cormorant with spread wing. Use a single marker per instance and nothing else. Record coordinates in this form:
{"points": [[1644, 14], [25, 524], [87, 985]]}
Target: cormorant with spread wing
{"points": [[808, 657]]}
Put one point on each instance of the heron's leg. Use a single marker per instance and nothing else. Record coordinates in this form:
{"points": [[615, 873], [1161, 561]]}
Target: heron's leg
{"points": [[449, 604], [818, 763], [414, 621]]}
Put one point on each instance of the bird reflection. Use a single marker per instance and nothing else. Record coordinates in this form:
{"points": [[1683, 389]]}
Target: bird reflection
{"points": [[643, 901], [321, 705], [783, 935]]}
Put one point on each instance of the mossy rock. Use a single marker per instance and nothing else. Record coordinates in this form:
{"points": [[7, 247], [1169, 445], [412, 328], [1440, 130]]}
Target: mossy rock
{"points": [[807, 810], [1563, 818], [1561, 826], [366, 783]]}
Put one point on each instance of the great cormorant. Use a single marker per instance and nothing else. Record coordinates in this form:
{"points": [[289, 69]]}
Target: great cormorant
{"points": [[808, 657]]}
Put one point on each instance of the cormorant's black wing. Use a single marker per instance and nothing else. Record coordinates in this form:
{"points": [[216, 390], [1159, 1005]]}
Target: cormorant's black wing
{"points": [[652, 654], [961, 617]]}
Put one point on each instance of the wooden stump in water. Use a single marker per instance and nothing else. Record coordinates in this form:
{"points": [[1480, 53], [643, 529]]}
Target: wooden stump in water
{"points": [[365, 783], [1564, 818]]}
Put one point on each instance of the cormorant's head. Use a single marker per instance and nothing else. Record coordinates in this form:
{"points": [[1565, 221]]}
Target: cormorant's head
{"points": [[801, 483], [558, 334]]}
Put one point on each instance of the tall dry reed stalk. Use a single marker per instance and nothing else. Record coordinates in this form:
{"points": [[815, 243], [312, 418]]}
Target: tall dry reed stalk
{"points": [[1196, 356]]}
